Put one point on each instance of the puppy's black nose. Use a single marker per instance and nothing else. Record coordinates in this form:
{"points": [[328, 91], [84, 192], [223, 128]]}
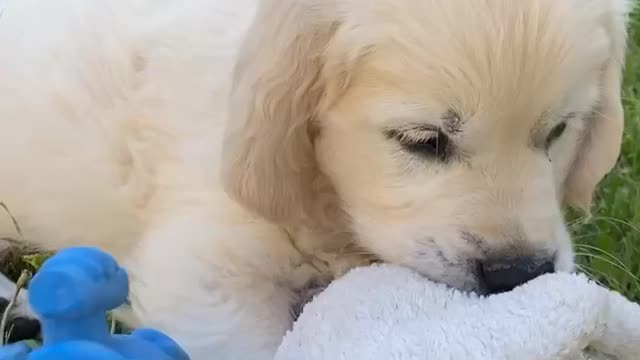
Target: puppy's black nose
{"points": [[501, 275]]}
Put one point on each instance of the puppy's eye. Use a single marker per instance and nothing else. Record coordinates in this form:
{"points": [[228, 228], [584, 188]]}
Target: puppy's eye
{"points": [[555, 133], [430, 143]]}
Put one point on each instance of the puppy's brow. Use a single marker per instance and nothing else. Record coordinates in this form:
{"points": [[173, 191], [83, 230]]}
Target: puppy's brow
{"points": [[547, 121], [451, 121]]}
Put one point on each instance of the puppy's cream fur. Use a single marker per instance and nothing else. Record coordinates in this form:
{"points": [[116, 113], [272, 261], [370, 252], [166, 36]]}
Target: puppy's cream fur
{"points": [[117, 132]]}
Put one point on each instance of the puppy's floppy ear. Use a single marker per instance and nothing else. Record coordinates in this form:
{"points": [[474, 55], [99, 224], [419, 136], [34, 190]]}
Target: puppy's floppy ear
{"points": [[600, 148], [268, 158]]}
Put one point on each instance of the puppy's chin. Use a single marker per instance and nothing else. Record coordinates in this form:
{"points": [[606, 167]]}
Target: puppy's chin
{"points": [[461, 280]]}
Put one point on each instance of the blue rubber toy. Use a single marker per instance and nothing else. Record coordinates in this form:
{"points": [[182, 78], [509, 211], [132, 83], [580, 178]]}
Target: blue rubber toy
{"points": [[71, 294]]}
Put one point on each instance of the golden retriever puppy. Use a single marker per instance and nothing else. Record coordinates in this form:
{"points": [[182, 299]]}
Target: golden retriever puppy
{"points": [[233, 154]]}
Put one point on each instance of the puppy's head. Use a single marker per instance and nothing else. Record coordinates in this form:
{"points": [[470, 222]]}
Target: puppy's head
{"points": [[449, 134]]}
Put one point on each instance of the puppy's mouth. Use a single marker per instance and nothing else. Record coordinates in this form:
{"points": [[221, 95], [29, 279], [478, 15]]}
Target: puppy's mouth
{"points": [[306, 295], [315, 287], [488, 276]]}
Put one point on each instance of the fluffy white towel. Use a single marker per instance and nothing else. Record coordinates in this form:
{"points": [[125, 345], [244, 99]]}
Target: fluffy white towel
{"points": [[387, 312]]}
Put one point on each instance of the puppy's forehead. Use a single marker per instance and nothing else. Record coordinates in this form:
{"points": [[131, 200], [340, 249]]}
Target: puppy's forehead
{"points": [[478, 56]]}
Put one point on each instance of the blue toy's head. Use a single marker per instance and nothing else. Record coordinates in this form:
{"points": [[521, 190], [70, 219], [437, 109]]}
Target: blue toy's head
{"points": [[77, 282]]}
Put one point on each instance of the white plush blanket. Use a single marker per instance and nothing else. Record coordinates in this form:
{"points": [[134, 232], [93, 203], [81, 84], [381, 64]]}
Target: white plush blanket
{"points": [[387, 312]]}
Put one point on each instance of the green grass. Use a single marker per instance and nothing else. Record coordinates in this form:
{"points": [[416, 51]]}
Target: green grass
{"points": [[608, 243]]}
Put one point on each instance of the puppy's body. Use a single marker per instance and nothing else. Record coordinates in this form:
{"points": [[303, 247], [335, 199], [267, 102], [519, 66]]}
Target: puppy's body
{"points": [[112, 116], [115, 127]]}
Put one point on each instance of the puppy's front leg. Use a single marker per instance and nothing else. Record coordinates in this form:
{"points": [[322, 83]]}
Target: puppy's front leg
{"points": [[221, 289]]}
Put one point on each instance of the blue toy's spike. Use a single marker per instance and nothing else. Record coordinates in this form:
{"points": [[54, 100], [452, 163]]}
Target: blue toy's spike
{"points": [[76, 350], [18, 351], [166, 344], [71, 293]]}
